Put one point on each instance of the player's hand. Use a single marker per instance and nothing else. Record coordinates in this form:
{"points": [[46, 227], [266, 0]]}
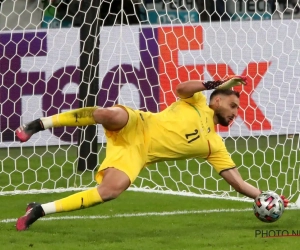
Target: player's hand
{"points": [[285, 201], [232, 81]]}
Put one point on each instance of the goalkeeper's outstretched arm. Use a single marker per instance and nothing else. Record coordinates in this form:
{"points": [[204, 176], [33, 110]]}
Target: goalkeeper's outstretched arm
{"points": [[189, 88], [234, 179]]}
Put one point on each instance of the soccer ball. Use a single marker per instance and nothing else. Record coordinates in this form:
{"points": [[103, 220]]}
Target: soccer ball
{"points": [[268, 207]]}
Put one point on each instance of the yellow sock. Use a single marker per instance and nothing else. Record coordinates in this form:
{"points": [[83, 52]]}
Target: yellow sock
{"points": [[79, 200], [76, 117]]}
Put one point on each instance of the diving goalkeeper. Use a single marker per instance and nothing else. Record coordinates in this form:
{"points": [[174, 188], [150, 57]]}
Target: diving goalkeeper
{"points": [[135, 139]]}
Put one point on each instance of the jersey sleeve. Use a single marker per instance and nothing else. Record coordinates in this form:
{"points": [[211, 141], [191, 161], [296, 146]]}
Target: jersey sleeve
{"points": [[221, 159], [197, 98]]}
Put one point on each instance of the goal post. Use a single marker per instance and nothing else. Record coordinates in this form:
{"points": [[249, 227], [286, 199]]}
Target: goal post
{"points": [[89, 85], [138, 62]]}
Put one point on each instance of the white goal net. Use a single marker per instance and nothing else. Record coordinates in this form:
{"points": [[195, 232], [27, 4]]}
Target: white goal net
{"points": [[146, 49]]}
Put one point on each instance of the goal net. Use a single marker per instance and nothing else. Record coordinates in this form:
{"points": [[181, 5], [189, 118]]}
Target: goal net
{"points": [[146, 48]]}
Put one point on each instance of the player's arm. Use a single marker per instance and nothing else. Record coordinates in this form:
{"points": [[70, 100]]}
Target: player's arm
{"points": [[234, 179], [189, 88]]}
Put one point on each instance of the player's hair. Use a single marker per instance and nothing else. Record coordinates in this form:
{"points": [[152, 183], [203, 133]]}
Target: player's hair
{"points": [[224, 92]]}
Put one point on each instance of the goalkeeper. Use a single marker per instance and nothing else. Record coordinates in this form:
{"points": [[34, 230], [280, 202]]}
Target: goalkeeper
{"points": [[135, 139]]}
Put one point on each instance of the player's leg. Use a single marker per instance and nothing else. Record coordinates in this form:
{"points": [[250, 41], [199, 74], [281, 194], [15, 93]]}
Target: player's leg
{"points": [[114, 118], [114, 182], [126, 151]]}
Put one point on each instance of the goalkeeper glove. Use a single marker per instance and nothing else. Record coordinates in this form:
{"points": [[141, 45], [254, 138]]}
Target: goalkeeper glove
{"points": [[227, 83], [285, 201]]}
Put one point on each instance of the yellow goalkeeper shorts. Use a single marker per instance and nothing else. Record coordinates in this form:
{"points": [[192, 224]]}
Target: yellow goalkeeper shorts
{"points": [[127, 148]]}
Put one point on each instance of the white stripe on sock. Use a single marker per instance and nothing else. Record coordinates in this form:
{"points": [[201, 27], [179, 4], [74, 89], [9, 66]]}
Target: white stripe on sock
{"points": [[49, 208], [47, 122]]}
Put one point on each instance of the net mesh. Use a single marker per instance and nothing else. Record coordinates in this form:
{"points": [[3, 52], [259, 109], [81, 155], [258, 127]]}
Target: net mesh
{"points": [[146, 49]]}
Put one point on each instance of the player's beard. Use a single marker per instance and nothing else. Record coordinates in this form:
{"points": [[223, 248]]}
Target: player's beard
{"points": [[221, 119]]}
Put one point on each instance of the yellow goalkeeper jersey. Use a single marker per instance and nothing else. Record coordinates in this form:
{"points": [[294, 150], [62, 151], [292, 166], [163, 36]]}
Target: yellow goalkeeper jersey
{"points": [[186, 130]]}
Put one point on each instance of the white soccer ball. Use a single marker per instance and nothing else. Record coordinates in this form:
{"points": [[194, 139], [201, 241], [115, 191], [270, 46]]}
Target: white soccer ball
{"points": [[268, 207]]}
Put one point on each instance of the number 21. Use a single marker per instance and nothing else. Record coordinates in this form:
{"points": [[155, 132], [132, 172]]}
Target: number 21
{"points": [[194, 136]]}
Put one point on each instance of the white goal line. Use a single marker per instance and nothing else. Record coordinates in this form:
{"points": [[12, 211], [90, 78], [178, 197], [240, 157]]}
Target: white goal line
{"points": [[127, 215], [225, 195], [147, 214]]}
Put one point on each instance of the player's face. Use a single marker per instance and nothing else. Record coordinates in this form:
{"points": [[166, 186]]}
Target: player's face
{"points": [[227, 109]]}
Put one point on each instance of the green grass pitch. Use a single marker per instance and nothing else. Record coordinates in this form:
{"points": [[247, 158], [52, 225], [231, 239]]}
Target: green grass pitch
{"points": [[146, 220]]}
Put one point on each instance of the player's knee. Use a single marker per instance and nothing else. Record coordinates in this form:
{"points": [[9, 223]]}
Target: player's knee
{"points": [[101, 115], [108, 193], [111, 118]]}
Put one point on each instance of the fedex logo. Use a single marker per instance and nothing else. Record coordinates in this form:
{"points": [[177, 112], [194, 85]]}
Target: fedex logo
{"points": [[32, 71], [160, 71]]}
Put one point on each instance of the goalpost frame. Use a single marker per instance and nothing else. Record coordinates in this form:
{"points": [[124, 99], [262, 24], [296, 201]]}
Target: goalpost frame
{"points": [[128, 52], [89, 86]]}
